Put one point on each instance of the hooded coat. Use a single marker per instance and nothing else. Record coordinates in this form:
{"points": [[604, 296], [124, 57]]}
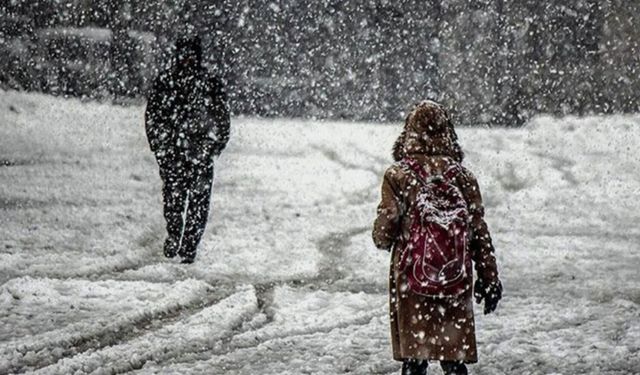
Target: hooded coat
{"points": [[431, 328]]}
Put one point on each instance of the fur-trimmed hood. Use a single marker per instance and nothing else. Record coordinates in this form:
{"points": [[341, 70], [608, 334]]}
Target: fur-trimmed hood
{"points": [[428, 130]]}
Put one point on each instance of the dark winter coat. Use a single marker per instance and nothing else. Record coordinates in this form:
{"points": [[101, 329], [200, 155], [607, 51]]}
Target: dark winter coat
{"points": [[187, 120], [428, 327]]}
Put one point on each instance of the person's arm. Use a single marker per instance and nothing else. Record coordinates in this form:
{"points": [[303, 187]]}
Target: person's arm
{"points": [[157, 132], [488, 285], [386, 228], [481, 246], [220, 118]]}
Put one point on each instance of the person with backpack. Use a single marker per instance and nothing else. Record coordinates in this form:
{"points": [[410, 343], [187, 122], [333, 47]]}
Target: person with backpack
{"points": [[431, 218], [187, 125]]}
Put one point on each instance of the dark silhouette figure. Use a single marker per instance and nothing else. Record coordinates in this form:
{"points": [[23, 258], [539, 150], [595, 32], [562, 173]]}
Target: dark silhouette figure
{"points": [[187, 124]]}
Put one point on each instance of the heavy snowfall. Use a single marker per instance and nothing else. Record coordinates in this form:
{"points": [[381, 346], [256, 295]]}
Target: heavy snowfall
{"points": [[545, 100], [287, 280]]}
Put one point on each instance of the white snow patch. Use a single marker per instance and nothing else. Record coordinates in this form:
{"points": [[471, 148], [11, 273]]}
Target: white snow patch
{"points": [[43, 318], [194, 333], [80, 198]]}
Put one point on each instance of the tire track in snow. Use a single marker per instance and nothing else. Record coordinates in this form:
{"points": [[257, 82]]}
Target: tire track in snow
{"points": [[583, 232], [109, 268], [43, 353], [360, 196], [335, 157], [203, 329], [562, 165], [151, 242], [381, 161], [263, 317], [331, 247], [236, 343]]}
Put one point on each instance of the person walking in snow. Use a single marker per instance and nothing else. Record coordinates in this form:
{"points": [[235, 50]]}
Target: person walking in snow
{"points": [[187, 124], [431, 218]]}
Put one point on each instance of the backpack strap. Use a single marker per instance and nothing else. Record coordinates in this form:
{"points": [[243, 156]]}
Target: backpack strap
{"points": [[452, 172], [412, 165], [422, 174]]}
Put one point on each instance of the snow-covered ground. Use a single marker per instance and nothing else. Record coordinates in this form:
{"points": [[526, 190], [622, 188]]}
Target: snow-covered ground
{"points": [[287, 280]]}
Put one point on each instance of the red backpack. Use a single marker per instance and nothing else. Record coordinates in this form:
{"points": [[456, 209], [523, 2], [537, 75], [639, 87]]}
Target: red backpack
{"points": [[435, 258]]}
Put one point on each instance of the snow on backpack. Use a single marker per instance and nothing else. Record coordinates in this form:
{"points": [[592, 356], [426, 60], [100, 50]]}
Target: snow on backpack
{"points": [[435, 259]]}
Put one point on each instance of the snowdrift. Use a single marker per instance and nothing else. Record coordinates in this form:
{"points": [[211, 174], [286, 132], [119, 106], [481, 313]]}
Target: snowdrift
{"points": [[287, 279]]}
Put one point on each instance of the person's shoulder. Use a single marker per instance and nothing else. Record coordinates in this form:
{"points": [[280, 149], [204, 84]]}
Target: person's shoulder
{"points": [[466, 171], [396, 171], [214, 83], [468, 178], [213, 78], [163, 79], [160, 86]]}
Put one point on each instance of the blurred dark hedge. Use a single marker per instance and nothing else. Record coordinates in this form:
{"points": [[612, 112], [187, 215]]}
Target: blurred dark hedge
{"points": [[492, 62]]}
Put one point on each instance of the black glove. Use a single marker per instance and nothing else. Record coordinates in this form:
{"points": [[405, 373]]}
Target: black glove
{"points": [[491, 293]]}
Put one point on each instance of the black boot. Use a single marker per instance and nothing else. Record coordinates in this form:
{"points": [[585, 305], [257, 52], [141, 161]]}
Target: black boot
{"points": [[171, 247], [188, 260], [188, 250], [197, 212], [414, 367], [453, 368], [174, 198]]}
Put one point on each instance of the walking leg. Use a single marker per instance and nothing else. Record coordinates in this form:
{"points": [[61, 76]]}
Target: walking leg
{"points": [[197, 212], [453, 368], [174, 198], [414, 367]]}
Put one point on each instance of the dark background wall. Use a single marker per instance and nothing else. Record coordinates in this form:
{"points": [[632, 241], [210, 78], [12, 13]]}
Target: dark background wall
{"points": [[492, 62]]}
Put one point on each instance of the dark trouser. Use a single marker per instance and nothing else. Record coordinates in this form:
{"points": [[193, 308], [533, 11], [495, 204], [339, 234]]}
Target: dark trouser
{"points": [[453, 368], [418, 367], [186, 193]]}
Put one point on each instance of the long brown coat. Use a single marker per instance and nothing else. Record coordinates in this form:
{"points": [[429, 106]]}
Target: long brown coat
{"points": [[427, 327]]}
